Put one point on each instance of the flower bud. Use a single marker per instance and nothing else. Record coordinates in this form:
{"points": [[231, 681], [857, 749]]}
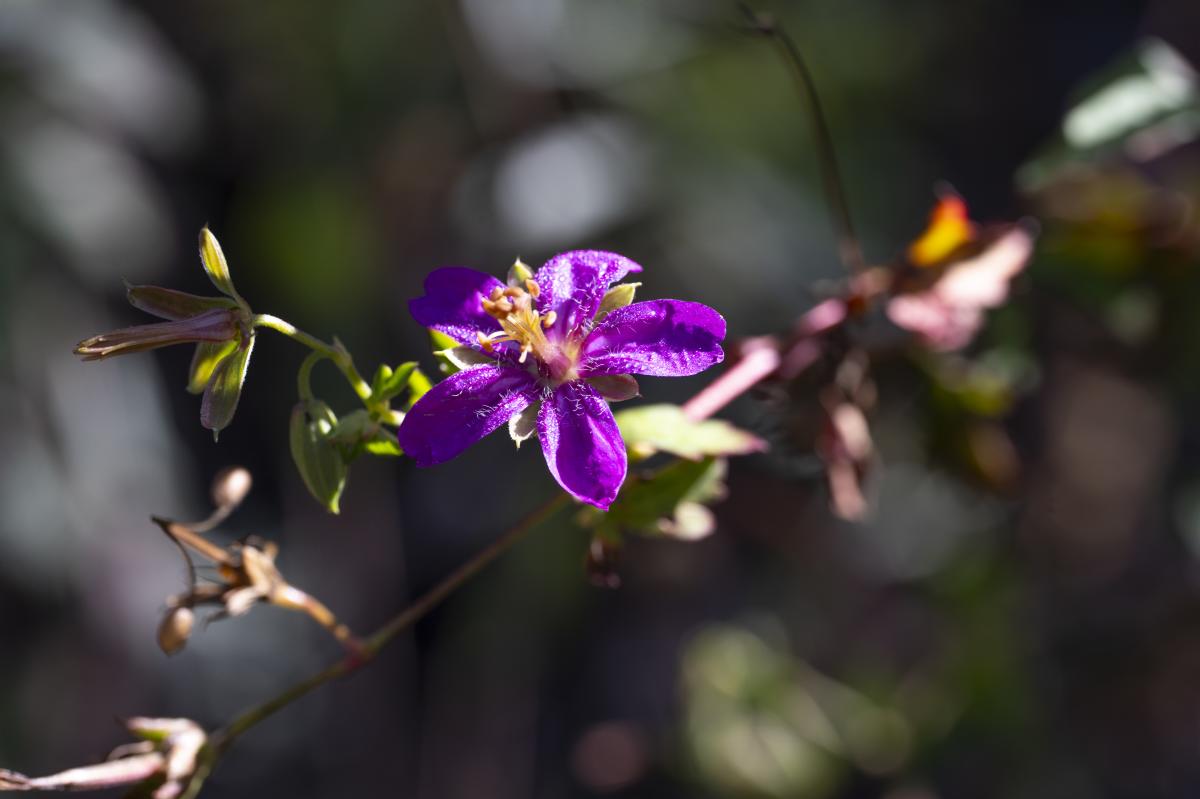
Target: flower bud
{"points": [[175, 629], [316, 456], [230, 486], [519, 273], [219, 325], [215, 264]]}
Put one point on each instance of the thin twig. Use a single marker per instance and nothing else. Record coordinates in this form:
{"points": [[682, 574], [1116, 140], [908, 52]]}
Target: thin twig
{"points": [[222, 740], [849, 248]]}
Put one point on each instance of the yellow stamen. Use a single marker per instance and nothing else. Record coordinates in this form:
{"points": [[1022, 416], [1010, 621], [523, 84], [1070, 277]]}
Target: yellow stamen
{"points": [[514, 309]]}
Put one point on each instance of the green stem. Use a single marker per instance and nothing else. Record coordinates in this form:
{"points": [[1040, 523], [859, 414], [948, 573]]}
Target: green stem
{"points": [[849, 248], [304, 375], [334, 352], [224, 738]]}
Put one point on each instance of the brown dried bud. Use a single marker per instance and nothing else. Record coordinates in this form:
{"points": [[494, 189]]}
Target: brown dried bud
{"points": [[230, 486], [175, 629]]}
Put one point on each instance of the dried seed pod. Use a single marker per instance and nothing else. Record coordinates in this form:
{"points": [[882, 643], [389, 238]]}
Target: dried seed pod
{"points": [[230, 486], [175, 629]]}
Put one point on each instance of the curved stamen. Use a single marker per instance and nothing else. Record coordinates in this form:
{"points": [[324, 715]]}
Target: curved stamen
{"points": [[519, 321]]}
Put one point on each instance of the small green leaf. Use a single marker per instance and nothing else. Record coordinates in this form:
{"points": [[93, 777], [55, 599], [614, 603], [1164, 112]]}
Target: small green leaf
{"points": [[207, 357], [665, 428], [383, 443], [171, 304], [316, 455], [395, 382], [616, 297], [215, 264], [381, 376], [439, 341], [418, 384], [225, 388], [668, 502], [353, 428]]}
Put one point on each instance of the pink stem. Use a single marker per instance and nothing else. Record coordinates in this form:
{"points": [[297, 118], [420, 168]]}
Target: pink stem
{"points": [[763, 358], [744, 375]]}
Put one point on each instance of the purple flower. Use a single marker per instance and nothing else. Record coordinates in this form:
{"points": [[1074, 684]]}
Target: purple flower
{"points": [[552, 347]]}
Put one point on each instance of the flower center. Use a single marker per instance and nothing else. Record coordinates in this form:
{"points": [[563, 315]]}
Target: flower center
{"points": [[514, 309]]}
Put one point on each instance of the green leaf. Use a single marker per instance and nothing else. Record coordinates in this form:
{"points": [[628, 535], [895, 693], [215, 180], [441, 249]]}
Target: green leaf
{"points": [[665, 428], [207, 357], [225, 388], [440, 341], [669, 502], [383, 443], [171, 304], [1150, 93], [315, 453], [215, 264], [616, 297], [353, 428], [356, 433], [418, 384], [390, 384]]}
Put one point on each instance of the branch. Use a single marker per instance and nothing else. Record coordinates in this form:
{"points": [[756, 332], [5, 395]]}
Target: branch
{"points": [[334, 352], [374, 644], [849, 248]]}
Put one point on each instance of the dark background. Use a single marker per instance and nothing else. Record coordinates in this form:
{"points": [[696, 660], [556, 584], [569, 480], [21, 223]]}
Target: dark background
{"points": [[1030, 634]]}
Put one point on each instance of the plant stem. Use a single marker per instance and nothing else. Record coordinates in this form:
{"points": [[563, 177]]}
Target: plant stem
{"points": [[334, 352], [222, 739], [756, 365], [304, 374], [849, 248]]}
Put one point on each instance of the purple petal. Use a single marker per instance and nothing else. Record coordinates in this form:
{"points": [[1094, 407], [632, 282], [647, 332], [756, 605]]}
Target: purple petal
{"points": [[462, 409], [668, 338], [453, 303], [573, 284], [582, 444]]}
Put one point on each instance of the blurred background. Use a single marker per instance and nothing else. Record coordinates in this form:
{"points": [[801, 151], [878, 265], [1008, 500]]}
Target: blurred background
{"points": [[1019, 616]]}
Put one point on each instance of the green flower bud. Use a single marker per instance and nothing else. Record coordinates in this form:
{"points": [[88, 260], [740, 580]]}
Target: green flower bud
{"points": [[216, 266], [316, 455], [519, 273]]}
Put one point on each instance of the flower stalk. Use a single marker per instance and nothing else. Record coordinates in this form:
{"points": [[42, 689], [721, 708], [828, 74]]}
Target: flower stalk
{"points": [[849, 248]]}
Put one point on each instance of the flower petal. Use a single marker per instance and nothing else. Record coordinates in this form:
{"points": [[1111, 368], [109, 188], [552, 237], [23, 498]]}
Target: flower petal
{"points": [[940, 326], [573, 284], [668, 338], [982, 281], [582, 444], [453, 303], [462, 409]]}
